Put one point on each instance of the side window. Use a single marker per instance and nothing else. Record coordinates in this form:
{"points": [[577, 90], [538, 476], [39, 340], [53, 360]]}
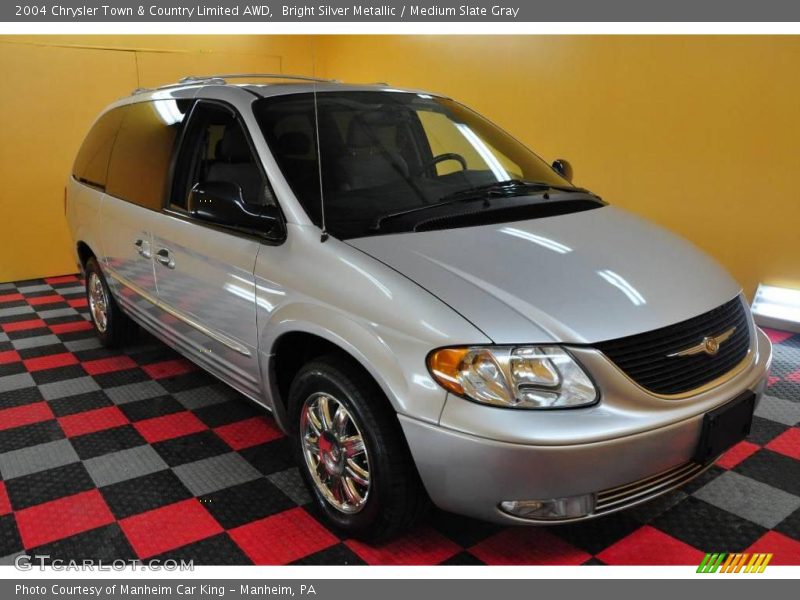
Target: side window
{"points": [[216, 149], [142, 153], [91, 163]]}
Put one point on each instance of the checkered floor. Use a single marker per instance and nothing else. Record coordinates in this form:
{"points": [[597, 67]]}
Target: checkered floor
{"points": [[138, 454]]}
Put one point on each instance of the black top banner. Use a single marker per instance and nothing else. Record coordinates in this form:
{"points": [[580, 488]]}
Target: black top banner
{"points": [[387, 11]]}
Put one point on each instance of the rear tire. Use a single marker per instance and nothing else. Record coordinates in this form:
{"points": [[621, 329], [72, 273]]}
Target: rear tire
{"points": [[334, 470], [112, 326]]}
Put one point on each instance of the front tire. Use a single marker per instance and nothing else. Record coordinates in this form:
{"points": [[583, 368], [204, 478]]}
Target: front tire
{"points": [[351, 451], [112, 326]]}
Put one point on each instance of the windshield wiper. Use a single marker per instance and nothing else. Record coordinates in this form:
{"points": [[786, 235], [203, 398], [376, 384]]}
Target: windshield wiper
{"points": [[497, 189], [378, 223], [508, 188]]}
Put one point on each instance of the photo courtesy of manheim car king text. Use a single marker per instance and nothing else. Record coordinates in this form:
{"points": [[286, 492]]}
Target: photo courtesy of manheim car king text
{"points": [[324, 300]]}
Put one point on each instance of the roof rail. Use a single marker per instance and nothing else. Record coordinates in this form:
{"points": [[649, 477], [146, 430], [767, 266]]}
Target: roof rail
{"points": [[221, 80], [183, 82], [194, 79]]}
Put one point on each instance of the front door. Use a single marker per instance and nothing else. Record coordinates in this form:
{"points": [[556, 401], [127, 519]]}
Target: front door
{"points": [[204, 272]]}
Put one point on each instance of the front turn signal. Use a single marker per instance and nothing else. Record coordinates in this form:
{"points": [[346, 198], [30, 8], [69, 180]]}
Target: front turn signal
{"points": [[445, 364]]}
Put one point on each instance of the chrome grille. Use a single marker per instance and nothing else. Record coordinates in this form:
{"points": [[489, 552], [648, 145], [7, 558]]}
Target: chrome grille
{"points": [[646, 359], [620, 497]]}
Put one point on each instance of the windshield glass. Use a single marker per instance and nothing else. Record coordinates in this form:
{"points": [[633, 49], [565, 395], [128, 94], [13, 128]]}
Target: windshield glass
{"points": [[389, 154]]}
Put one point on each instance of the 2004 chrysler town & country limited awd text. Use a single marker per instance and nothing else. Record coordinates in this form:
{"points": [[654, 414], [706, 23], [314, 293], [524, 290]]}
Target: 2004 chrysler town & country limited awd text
{"points": [[429, 310]]}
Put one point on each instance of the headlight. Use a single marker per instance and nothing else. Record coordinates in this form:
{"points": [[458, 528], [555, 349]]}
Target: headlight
{"points": [[522, 377]]}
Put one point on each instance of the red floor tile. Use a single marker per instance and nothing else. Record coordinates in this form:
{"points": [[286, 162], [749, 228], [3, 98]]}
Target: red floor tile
{"points": [[9, 356], [737, 454], [50, 362], [82, 325], [11, 298], [108, 365], [420, 547], [775, 336], [785, 550], [169, 527], [787, 443], [51, 299], [92, 420], [171, 426], [78, 302], [169, 368], [25, 415], [282, 538], [60, 279], [649, 546], [528, 546], [62, 518], [249, 432], [24, 325], [5, 503], [793, 377]]}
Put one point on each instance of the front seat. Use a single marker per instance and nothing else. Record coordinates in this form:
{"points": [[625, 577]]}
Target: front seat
{"points": [[367, 163], [233, 162]]}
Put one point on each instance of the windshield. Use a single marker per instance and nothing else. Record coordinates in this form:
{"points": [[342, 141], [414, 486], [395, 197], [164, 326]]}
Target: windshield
{"points": [[386, 155]]}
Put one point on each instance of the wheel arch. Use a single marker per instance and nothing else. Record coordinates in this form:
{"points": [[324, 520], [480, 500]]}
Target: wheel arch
{"points": [[84, 252], [294, 341]]}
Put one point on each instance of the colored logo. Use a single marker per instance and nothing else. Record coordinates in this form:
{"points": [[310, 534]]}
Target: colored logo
{"points": [[734, 563]]}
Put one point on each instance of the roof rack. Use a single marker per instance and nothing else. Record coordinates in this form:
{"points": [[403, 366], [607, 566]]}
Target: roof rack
{"points": [[194, 79], [222, 80]]}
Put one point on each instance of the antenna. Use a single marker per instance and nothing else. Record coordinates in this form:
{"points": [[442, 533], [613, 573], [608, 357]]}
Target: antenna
{"points": [[324, 237]]}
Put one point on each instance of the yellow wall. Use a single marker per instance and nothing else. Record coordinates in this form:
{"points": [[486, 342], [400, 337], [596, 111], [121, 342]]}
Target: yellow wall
{"points": [[699, 133], [54, 87]]}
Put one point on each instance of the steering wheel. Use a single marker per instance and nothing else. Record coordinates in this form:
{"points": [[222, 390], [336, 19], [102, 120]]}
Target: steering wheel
{"points": [[446, 156]]}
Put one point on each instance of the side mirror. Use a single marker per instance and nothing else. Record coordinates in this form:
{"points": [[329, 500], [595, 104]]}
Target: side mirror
{"points": [[221, 202], [563, 168]]}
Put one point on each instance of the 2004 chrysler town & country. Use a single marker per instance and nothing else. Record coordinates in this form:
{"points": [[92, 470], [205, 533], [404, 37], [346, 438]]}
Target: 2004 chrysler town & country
{"points": [[430, 311]]}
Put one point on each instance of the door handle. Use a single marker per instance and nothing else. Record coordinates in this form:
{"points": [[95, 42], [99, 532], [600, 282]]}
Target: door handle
{"points": [[142, 247], [165, 258]]}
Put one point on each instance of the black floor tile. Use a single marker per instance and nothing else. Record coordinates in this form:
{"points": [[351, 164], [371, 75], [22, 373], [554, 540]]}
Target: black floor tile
{"points": [[247, 502], [48, 485], [141, 494]]}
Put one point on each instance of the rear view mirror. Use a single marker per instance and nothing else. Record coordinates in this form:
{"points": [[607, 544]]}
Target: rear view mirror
{"points": [[221, 202], [563, 168]]}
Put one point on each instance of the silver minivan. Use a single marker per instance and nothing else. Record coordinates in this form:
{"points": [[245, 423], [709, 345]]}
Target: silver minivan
{"points": [[431, 312]]}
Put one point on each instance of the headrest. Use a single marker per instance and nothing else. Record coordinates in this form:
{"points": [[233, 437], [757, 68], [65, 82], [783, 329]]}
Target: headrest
{"points": [[233, 147], [294, 143], [362, 131]]}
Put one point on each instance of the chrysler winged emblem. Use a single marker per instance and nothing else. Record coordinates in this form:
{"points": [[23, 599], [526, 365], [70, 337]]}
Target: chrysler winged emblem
{"points": [[710, 345]]}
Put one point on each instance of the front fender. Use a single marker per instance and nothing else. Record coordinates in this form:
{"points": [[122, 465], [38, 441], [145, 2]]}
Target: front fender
{"points": [[395, 360]]}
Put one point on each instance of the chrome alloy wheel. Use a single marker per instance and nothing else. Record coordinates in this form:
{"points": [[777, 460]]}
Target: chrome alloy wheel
{"points": [[335, 452], [98, 302]]}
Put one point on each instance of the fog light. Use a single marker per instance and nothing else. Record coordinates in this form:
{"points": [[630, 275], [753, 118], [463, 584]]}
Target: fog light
{"points": [[554, 509]]}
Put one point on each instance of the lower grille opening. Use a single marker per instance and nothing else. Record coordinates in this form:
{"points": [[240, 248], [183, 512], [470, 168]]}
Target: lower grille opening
{"points": [[629, 494]]}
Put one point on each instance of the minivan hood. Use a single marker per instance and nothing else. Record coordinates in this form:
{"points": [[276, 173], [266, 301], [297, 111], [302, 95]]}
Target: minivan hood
{"points": [[579, 278]]}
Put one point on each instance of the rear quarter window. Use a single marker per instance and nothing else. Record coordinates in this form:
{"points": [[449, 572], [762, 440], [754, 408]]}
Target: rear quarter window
{"points": [[140, 162], [91, 163]]}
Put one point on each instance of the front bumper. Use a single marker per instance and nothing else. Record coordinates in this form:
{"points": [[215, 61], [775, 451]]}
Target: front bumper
{"points": [[479, 456]]}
